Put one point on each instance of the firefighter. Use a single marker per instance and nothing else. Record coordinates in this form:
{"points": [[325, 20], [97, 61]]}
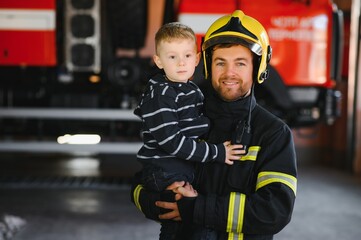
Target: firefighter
{"points": [[253, 198]]}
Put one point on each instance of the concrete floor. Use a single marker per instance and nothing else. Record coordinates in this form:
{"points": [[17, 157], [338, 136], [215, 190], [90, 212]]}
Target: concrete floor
{"points": [[328, 205]]}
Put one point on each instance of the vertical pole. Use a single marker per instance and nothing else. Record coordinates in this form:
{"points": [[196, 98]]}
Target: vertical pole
{"points": [[354, 91]]}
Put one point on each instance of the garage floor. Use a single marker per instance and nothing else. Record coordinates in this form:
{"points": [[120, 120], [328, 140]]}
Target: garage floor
{"points": [[89, 199]]}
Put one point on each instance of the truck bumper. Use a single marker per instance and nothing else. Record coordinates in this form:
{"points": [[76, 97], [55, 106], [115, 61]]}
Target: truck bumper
{"points": [[315, 105]]}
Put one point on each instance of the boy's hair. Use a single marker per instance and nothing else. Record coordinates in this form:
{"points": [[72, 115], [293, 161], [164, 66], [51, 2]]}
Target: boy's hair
{"points": [[174, 30]]}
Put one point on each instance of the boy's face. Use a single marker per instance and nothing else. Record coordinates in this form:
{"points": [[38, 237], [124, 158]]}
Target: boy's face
{"points": [[178, 58], [232, 69]]}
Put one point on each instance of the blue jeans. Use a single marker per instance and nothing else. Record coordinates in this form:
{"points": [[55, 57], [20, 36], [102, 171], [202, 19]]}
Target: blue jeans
{"points": [[201, 233], [156, 179]]}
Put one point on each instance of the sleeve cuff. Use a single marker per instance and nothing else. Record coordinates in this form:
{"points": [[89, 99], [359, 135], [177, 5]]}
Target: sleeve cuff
{"points": [[186, 209], [221, 157], [144, 200]]}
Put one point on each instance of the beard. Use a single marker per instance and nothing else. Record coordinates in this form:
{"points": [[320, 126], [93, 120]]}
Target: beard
{"points": [[231, 92]]}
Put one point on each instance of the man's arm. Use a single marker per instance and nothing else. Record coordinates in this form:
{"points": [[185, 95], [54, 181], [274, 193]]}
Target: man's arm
{"points": [[265, 212], [146, 200]]}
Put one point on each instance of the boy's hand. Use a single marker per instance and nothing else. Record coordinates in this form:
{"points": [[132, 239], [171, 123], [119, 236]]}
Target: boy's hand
{"points": [[186, 191], [233, 152]]}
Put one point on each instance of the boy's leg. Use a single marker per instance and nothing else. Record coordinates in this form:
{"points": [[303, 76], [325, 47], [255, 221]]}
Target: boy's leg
{"points": [[158, 180]]}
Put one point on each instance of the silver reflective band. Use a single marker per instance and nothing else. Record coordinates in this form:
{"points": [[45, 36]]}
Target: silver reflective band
{"points": [[252, 154], [256, 48], [265, 178], [235, 213]]}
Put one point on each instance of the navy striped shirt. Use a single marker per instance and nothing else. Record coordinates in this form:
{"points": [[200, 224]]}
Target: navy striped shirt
{"points": [[172, 122]]}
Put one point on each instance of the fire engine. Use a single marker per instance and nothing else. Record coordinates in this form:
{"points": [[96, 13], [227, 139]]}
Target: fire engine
{"points": [[61, 71]]}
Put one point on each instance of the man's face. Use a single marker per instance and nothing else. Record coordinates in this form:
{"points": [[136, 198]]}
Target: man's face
{"points": [[232, 69]]}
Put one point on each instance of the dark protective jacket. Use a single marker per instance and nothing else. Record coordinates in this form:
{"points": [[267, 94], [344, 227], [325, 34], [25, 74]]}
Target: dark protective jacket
{"points": [[252, 199]]}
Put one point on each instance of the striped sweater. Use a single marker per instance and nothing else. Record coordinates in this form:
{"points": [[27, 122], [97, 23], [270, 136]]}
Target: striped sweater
{"points": [[172, 123]]}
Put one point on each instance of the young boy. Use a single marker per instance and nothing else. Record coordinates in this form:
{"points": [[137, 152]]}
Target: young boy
{"points": [[172, 119]]}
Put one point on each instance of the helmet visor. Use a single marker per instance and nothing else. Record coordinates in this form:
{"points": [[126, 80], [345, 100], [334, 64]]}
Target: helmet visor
{"points": [[254, 47]]}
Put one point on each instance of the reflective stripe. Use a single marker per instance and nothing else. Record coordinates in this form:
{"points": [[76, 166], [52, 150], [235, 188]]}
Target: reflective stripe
{"points": [[198, 22], [252, 154], [136, 196], [235, 214], [235, 236], [265, 178], [29, 19]]}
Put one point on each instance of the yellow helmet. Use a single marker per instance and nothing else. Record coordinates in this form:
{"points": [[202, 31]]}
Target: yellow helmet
{"points": [[240, 29]]}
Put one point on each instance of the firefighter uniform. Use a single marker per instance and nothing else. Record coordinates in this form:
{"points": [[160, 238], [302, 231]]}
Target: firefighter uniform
{"points": [[254, 198]]}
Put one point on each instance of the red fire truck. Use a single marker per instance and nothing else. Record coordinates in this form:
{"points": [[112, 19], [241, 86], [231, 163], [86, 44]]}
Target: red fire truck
{"points": [[58, 61]]}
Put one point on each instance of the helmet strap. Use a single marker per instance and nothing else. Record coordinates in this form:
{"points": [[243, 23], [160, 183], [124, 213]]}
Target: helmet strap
{"points": [[250, 105]]}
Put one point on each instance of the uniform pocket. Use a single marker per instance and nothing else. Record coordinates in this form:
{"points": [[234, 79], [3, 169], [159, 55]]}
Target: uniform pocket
{"points": [[240, 176]]}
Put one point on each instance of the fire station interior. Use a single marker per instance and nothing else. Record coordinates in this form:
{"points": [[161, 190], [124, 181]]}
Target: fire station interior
{"points": [[71, 72]]}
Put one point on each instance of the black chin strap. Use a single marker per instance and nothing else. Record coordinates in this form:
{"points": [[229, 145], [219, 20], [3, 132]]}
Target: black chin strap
{"points": [[242, 134], [250, 106]]}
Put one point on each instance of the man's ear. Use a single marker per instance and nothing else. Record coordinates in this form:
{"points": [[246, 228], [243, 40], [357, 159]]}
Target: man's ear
{"points": [[157, 61]]}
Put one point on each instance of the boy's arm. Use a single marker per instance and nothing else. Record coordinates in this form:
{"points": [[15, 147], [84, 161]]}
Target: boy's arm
{"points": [[161, 117]]}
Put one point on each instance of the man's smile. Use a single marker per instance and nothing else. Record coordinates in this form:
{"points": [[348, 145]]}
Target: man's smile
{"points": [[230, 83]]}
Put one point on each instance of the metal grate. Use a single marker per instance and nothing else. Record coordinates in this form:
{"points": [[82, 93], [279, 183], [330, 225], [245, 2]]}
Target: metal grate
{"points": [[63, 182]]}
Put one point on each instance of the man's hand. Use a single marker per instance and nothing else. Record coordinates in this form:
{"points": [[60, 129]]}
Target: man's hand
{"points": [[174, 213], [181, 190]]}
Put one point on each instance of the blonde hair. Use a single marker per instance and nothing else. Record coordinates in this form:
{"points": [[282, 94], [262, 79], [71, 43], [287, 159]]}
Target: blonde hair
{"points": [[174, 30]]}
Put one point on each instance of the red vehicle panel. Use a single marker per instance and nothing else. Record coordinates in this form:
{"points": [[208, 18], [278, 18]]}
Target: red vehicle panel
{"points": [[299, 35], [27, 33]]}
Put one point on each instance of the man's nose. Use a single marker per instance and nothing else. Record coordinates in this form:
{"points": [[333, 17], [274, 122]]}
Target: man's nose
{"points": [[230, 70]]}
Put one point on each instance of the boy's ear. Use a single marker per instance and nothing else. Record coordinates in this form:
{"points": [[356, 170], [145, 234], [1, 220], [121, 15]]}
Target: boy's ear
{"points": [[198, 58], [157, 61]]}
